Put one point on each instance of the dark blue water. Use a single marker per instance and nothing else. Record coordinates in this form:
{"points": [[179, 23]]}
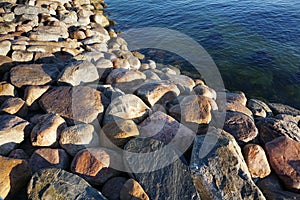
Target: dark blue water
{"points": [[255, 43]]}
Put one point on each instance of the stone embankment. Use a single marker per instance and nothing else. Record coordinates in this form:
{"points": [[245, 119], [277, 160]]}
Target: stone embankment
{"points": [[82, 117]]}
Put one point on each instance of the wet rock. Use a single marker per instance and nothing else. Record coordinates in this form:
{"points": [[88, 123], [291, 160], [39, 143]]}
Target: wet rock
{"points": [[47, 130], [158, 173], [32, 74], [256, 161], [164, 128], [59, 184], [33, 93], [127, 106], [278, 108], [49, 158], [272, 189], [14, 106], [75, 103], [270, 129], [22, 56], [284, 159], [241, 126], [259, 108], [78, 137], [119, 132], [219, 170], [133, 190], [159, 92], [111, 189], [93, 165], [79, 72], [205, 91], [15, 174], [4, 47], [12, 132]]}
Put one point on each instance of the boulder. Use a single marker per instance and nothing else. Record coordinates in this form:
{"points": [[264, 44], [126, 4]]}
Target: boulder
{"points": [[79, 103], [49, 158], [219, 170], [33, 93], [7, 89], [112, 188], [284, 159], [205, 91], [22, 56], [259, 108], [12, 132], [4, 47], [14, 175], [278, 108], [133, 190], [14, 106], [59, 184]]}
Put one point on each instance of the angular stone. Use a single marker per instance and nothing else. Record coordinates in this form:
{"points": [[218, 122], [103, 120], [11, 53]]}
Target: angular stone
{"points": [[76, 103], [78, 137], [278, 108], [18, 154], [14, 106], [256, 161], [4, 47], [50, 33], [284, 157], [47, 131], [33, 93], [93, 165], [157, 167], [272, 189], [79, 72], [12, 132], [159, 92], [59, 184], [205, 91], [32, 74], [241, 126], [111, 189], [219, 170], [127, 106], [133, 190], [14, 175], [49, 158], [119, 132], [7, 27], [164, 128], [22, 56], [259, 108], [270, 128], [6, 64], [6, 89]]}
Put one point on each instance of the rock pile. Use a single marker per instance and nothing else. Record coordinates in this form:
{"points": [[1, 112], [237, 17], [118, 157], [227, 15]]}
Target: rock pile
{"points": [[82, 117]]}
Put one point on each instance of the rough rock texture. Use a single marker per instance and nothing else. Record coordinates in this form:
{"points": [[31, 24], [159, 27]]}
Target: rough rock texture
{"points": [[241, 126], [218, 168], [259, 108], [256, 161], [78, 137], [205, 91], [158, 173], [126, 107], [166, 129], [76, 103], [33, 93], [47, 131], [12, 132], [49, 158], [133, 190], [59, 184], [7, 89], [270, 129], [14, 175], [112, 188], [278, 108], [284, 158], [14, 106]]}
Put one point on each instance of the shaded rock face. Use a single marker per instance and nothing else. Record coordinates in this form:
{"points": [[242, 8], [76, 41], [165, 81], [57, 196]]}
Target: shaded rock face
{"points": [[218, 168], [284, 158], [270, 128], [158, 173], [14, 175], [12, 132], [76, 103], [112, 188], [278, 108], [132, 190], [241, 126], [59, 184]]}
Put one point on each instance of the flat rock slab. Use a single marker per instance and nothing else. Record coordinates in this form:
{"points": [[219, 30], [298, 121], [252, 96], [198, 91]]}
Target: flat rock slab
{"points": [[270, 128], [32, 74], [59, 184], [284, 158], [79, 103], [219, 170], [161, 174], [12, 132]]}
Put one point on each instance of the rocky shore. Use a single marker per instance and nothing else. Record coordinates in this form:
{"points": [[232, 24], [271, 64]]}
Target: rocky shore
{"points": [[82, 117]]}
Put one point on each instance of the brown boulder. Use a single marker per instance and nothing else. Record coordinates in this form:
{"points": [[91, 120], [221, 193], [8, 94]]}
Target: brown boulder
{"points": [[132, 190]]}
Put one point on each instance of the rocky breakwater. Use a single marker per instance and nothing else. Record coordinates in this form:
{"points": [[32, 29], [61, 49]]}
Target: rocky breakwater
{"points": [[82, 117]]}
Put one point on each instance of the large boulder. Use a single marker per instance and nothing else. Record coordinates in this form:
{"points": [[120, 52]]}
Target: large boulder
{"points": [[219, 169]]}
